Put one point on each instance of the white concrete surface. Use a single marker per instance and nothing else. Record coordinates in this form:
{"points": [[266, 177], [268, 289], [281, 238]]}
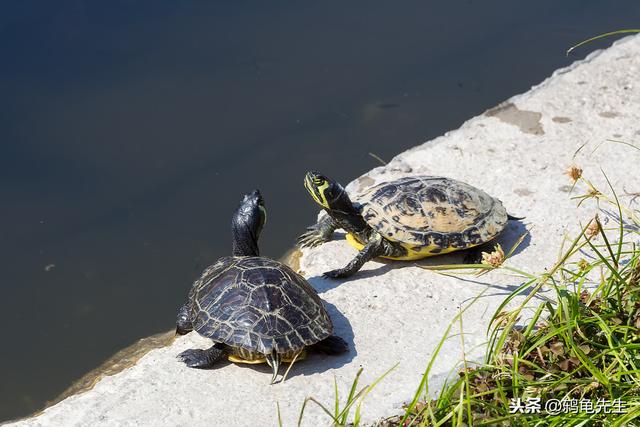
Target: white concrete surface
{"points": [[397, 312]]}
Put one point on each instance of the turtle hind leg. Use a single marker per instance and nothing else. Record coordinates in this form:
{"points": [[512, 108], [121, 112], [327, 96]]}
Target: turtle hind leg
{"points": [[183, 322], [474, 255], [203, 359], [331, 345]]}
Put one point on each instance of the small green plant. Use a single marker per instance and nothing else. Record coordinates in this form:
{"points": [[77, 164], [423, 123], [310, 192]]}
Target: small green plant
{"points": [[340, 414], [601, 36]]}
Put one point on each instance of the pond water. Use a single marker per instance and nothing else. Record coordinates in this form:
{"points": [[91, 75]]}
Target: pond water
{"points": [[130, 130]]}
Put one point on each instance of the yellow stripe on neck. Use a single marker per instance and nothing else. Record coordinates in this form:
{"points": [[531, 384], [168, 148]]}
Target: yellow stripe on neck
{"points": [[264, 213], [310, 186], [321, 189]]}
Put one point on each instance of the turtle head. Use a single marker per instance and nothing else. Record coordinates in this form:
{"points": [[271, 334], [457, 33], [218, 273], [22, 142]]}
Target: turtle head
{"points": [[326, 192], [247, 223], [334, 199]]}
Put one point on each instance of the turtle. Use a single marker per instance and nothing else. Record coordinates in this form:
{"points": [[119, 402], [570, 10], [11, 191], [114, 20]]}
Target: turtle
{"points": [[408, 218], [253, 308]]}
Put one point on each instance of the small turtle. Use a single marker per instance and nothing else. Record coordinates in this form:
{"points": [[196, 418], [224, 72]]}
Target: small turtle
{"points": [[406, 219], [253, 308]]}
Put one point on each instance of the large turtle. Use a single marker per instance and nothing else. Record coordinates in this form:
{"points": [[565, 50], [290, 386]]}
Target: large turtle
{"points": [[254, 309], [409, 218]]}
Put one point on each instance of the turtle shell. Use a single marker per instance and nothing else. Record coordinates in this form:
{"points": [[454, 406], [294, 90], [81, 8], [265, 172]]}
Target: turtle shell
{"points": [[259, 305], [430, 215]]}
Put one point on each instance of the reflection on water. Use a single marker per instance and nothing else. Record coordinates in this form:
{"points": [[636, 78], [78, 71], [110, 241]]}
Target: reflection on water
{"points": [[128, 135]]}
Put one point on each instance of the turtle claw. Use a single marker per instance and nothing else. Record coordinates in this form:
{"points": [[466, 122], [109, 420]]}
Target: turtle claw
{"points": [[335, 274], [194, 358], [202, 359], [311, 238]]}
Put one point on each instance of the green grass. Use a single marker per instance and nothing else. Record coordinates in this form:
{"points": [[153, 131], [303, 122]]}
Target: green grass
{"points": [[600, 36], [582, 343]]}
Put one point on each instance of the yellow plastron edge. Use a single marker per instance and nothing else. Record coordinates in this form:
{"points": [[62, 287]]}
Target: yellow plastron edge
{"points": [[411, 254], [237, 359]]}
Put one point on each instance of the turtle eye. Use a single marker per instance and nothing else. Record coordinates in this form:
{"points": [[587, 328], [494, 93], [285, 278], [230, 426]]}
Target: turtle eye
{"points": [[318, 181]]}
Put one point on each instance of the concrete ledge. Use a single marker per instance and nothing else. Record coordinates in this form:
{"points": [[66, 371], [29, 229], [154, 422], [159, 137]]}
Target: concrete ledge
{"points": [[397, 312]]}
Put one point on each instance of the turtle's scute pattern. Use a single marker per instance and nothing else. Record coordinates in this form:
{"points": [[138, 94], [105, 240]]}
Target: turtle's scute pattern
{"points": [[436, 212], [257, 305]]}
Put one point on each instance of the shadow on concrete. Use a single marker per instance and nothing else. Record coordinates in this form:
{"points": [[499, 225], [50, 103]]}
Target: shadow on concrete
{"points": [[507, 239], [612, 222], [315, 362], [627, 225]]}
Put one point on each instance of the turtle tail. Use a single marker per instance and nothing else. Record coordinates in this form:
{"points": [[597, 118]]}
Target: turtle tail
{"points": [[273, 360]]}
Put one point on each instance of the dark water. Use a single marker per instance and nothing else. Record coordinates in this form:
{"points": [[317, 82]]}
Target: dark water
{"points": [[129, 131]]}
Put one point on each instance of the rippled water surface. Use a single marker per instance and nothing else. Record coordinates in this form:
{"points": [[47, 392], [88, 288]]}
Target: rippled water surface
{"points": [[130, 130]]}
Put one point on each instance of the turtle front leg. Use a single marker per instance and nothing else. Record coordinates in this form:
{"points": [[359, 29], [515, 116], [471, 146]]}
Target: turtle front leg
{"points": [[373, 249], [318, 233], [183, 322], [203, 359]]}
